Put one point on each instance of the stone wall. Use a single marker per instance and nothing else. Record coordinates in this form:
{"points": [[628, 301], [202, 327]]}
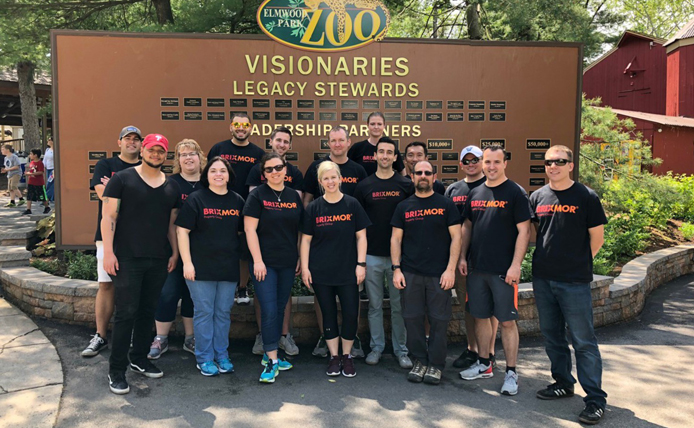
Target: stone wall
{"points": [[614, 299]]}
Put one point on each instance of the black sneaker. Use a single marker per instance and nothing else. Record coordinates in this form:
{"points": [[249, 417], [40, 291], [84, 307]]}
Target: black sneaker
{"points": [[243, 298], [432, 376], [47, 210], [146, 368], [117, 383], [592, 414], [555, 391], [465, 360], [417, 373], [27, 212], [95, 346], [334, 366]]}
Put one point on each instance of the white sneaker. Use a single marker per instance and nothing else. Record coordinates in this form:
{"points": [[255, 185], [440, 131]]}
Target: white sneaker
{"points": [[477, 371], [287, 343], [510, 383], [258, 345]]}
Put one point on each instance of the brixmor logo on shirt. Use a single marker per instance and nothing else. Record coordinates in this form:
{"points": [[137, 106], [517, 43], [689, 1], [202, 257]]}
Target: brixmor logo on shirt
{"points": [[220, 212], [333, 218], [424, 213], [386, 194], [545, 210], [488, 204], [272, 204], [237, 158], [350, 179], [459, 200], [366, 158]]}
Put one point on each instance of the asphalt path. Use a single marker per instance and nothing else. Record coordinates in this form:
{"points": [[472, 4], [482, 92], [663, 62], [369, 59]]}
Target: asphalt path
{"points": [[648, 366]]}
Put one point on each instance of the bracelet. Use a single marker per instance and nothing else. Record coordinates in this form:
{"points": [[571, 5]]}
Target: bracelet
{"points": [[362, 264]]}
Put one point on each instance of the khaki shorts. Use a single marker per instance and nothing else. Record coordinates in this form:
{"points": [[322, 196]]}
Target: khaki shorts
{"points": [[13, 183]]}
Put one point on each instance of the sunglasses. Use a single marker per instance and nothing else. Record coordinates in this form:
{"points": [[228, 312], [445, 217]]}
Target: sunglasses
{"points": [[558, 162], [277, 168], [473, 161], [427, 173], [244, 125]]}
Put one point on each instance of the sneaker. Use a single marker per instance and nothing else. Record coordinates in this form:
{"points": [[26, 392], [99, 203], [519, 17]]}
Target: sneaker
{"points": [[281, 363], [96, 344], [287, 343], [269, 373], [510, 386], [591, 414], [405, 362], [432, 376], [321, 349], [417, 373], [117, 383], [477, 371], [10, 205], [158, 347], [21, 202], [26, 212], [243, 298], [554, 392], [147, 369], [348, 369], [208, 368], [373, 358], [334, 366], [357, 352], [189, 345], [258, 345], [225, 366], [465, 360], [47, 210], [492, 358]]}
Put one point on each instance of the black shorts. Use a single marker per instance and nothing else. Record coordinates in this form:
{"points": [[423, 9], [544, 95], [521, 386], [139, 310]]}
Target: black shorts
{"points": [[490, 295], [36, 193]]}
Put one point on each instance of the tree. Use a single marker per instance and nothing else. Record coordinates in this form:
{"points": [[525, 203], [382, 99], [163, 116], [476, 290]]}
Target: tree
{"points": [[659, 18]]}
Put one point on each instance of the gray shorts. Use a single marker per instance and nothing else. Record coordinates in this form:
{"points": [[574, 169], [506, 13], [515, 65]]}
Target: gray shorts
{"points": [[490, 295]]}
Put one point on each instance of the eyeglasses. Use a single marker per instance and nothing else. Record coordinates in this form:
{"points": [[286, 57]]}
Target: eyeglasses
{"points": [[187, 155], [473, 161], [244, 125], [558, 162], [277, 168], [427, 173]]}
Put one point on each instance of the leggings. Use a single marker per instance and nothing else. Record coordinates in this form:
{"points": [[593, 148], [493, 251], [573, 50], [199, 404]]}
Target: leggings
{"points": [[349, 304]]}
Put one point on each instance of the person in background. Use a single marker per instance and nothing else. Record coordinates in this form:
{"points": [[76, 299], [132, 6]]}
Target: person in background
{"points": [[364, 152], [14, 173], [415, 152], [189, 161], [36, 180], [48, 162]]}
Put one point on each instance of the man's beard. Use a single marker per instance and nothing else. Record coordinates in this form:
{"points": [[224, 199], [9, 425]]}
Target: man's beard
{"points": [[423, 186], [153, 165]]}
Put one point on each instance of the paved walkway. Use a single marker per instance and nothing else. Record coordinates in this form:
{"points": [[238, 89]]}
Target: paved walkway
{"points": [[648, 372]]}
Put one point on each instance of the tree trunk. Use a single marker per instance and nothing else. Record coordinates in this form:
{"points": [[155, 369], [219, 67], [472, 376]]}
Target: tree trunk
{"points": [[164, 12], [474, 30], [27, 98]]}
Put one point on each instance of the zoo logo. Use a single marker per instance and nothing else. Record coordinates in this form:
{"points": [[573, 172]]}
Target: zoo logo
{"points": [[304, 24]]}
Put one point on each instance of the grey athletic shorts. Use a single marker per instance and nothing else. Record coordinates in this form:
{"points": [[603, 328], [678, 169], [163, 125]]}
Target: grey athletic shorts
{"points": [[489, 295]]}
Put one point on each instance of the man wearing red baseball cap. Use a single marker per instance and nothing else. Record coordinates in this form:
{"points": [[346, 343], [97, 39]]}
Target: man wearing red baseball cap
{"points": [[139, 250]]}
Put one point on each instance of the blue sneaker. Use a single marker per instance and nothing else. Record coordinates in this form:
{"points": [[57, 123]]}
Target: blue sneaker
{"points": [[225, 366], [282, 363], [269, 373], [208, 369]]}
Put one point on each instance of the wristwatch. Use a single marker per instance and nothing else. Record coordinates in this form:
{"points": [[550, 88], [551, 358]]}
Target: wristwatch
{"points": [[362, 264], [394, 267]]}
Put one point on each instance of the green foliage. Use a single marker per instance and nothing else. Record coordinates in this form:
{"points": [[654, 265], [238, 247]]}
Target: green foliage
{"points": [[659, 18], [687, 230], [81, 265], [53, 266], [527, 266]]}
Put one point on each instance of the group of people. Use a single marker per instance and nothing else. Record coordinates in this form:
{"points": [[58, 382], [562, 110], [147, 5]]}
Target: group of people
{"points": [[363, 216], [37, 173]]}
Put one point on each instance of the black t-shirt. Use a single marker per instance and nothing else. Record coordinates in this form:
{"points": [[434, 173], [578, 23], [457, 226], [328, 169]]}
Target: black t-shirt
{"points": [[364, 153], [214, 222], [459, 190], [494, 213], [352, 173], [426, 241], [241, 158], [333, 227], [562, 251], [294, 178], [143, 217], [187, 187], [379, 198], [106, 168], [278, 225], [438, 186]]}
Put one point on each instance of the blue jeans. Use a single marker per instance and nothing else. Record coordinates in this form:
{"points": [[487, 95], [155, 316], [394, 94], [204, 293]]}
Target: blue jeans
{"points": [[49, 184], [378, 269], [562, 304], [175, 289], [213, 301], [273, 294]]}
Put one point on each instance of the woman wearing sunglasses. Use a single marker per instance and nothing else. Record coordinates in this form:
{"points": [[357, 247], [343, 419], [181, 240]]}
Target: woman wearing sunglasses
{"points": [[208, 239], [272, 216], [333, 263]]}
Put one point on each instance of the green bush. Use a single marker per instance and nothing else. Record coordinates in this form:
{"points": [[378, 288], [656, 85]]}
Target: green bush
{"points": [[81, 265], [687, 230], [53, 266]]}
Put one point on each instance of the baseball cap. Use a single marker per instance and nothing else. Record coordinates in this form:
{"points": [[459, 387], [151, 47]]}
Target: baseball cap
{"points": [[130, 130], [155, 140], [471, 150]]}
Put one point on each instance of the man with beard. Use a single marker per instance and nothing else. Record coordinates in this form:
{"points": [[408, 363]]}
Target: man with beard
{"points": [[415, 152], [424, 250], [140, 248], [242, 155], [364, 152]]}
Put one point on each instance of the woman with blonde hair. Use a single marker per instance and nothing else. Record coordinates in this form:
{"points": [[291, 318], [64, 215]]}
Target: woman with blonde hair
{"points": [[189, 161], [333, 263]]}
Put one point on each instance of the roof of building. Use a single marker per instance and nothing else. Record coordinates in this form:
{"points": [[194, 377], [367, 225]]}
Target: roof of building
{"points": [[625, 36], [9, 75], [686, 32], [655, 118]]}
